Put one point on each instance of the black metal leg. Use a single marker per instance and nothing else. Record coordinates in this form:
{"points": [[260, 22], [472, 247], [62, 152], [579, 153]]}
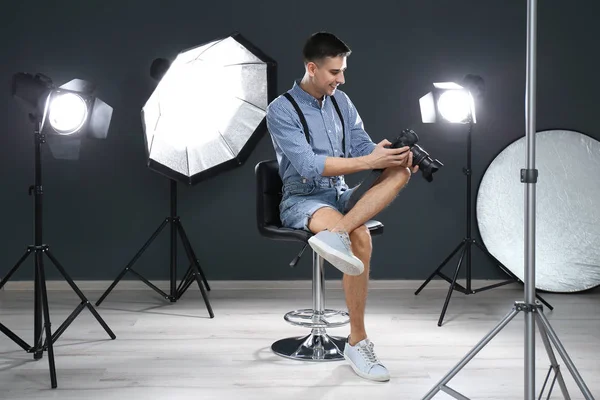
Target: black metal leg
{"points": [[44, 295], [544, 302], [451, 288], [188, 249], [41, 312], [185, 283], [15, 268], [150, 284], [65, 324], [173, 266], [438, 269], [190, 276], [467, 243], [14, 338], [133, 260], [185, 238], [37, 309], [43, 337], [506, 271], [84, 301]]}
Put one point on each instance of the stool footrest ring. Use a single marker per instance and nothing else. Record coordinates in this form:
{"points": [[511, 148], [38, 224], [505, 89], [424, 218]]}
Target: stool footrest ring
{"points": [[308, 318]]}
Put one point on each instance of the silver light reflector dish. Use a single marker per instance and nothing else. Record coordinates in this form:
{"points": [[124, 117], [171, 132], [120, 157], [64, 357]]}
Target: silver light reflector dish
{"points": [[567, 210], [208, 111]]}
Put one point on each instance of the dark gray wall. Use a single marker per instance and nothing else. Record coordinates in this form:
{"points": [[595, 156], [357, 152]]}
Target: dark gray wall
{"points": [[100, 210]]}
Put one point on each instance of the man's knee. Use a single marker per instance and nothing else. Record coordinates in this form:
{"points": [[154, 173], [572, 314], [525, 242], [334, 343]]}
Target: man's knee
{"points": [[323, 218], [361, 241]]}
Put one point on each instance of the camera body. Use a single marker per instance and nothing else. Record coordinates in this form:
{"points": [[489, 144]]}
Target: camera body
{"points": [[427, 165]]}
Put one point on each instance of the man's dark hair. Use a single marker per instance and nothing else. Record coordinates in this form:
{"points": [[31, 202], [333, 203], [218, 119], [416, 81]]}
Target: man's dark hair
{"points": [[324, 44]]}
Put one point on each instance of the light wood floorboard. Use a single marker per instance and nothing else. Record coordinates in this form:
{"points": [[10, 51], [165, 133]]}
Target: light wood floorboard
{"points": [[174, 351]]}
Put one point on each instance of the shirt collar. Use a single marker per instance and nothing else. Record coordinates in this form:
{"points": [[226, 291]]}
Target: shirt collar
{"points": [[306, 97]]}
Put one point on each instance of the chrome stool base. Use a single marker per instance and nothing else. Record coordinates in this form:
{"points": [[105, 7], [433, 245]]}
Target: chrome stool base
{"points": [[317, 346]]}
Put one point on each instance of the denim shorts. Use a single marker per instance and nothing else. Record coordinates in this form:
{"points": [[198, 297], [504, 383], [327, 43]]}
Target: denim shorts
{"points": [[302, 198]]}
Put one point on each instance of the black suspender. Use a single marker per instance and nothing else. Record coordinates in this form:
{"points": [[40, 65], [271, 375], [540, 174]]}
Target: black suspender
{"points": [[305, 125], [337, 108], [300, 114]]}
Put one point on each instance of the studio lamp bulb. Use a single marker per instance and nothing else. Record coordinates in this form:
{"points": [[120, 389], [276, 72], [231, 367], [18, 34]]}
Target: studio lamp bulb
{"points": [[455, 105], [67, 113]]}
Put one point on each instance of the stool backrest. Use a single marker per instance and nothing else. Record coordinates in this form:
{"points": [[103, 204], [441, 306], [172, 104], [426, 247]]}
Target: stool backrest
{"points": [[268, 194]]}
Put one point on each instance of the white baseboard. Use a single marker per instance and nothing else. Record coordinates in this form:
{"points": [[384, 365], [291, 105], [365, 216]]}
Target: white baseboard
{"points": [[246, 285]]}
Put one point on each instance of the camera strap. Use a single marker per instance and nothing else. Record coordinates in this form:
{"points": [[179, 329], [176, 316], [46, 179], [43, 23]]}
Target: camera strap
{"points": [[305, 124]]}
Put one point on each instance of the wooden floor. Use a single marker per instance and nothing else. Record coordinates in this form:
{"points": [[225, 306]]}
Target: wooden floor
{"points": [[174, 351]]}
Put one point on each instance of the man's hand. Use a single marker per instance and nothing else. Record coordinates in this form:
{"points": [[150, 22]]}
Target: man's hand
{"points": [[409, 163], [383, 157]]}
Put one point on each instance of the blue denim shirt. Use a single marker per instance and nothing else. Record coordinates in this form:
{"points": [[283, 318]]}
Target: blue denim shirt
{"points": [[300, 161]]}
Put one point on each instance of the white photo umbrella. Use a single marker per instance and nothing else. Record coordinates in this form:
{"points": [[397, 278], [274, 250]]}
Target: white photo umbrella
{"points": [[208, 111]]}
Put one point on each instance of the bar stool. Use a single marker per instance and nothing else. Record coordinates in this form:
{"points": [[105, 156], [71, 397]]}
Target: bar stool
{"points": [[317, 345]]}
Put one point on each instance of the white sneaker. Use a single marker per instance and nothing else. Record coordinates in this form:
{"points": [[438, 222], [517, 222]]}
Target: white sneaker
{"points": [[335, 247], [364, 362]]}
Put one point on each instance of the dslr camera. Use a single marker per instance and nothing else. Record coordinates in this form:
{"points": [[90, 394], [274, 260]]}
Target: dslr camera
{"points": [[426, 164]]}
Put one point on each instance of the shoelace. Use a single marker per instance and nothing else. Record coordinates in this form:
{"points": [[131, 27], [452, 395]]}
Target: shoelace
{"points": [[368, 353], [345, 240]]}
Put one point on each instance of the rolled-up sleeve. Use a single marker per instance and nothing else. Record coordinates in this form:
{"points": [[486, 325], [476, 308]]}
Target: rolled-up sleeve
{"points": [[287, 134], [361, 144]]}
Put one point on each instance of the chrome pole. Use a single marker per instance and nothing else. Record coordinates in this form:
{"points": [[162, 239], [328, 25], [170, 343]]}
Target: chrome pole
{"points": [[529, 177]]}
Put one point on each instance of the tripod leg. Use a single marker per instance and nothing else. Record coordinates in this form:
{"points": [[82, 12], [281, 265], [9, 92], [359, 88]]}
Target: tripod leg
{"points": [[508, 272], [185, 238], [563, 353], [15, 268], [42, 285], [553, 363], [451, 289], [14, 337], [439, 268], [544, 302], [133, 260], [37, 311], [190, 253], [149, 284], [185, 283], [173, 265], [66, 323], [441, 385], [84, 300]]}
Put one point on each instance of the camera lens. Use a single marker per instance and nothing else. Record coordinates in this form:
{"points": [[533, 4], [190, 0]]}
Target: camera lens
{"points": [[418, 154], [426, 164]]}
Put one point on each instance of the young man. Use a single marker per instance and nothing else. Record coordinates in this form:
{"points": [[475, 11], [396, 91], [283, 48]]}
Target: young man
{"points": [[312, 166]]}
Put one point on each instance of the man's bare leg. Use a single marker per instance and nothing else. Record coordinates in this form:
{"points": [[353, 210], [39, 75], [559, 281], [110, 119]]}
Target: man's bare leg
{"points": [[382, 193], [355, 287]]}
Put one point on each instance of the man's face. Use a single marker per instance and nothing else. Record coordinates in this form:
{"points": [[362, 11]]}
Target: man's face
{"points": [[328, 74]]}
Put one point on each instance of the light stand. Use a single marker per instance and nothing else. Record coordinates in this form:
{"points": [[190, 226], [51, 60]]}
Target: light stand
{"points": [[533, 311], [194, 272], [157, 70], [465, 254], [40, 292]]}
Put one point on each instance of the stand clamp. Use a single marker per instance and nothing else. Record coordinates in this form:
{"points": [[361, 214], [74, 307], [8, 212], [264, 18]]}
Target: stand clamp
{"points": [[522, 306], [529, 175]]}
